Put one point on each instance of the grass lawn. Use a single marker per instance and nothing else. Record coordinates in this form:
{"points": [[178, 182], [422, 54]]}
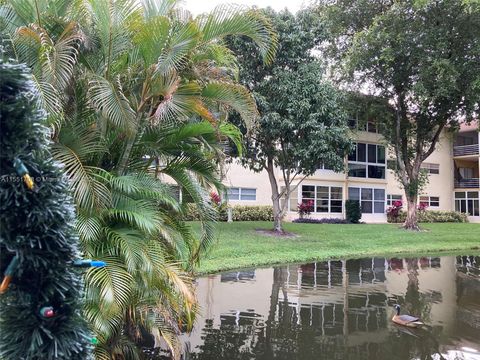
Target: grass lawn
{"points": [[239, 245]]}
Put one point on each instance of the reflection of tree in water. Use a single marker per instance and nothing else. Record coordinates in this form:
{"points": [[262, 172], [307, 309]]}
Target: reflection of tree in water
{"points": [[311, 334], [226, 342], [416, 303]]}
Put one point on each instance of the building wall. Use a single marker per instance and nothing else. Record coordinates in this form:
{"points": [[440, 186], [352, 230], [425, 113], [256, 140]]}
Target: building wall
{"points": [[439, 185], [238, 176]]}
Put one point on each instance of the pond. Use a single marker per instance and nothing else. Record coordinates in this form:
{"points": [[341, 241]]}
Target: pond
{"points": [[340, 310]]}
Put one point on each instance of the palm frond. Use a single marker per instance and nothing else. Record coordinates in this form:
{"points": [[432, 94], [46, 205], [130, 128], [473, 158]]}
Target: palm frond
{"points": [[129, 244], [108, 98], [114, 284], [10, 20], [140, 214], [178, 102], [233, 96], [151, 38], [89, 228], [63, 57], [49, 99], [145, 186], [111, 22], [153, 8], [16, 13], [88, 182], [182, 40], [227, 20]]}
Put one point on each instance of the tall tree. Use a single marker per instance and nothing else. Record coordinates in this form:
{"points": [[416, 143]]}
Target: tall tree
{"points": [[421, 59], [135, 90], [302, 124], [41, 292]]}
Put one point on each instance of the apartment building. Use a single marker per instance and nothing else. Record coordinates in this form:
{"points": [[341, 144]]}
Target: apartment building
{"points": [[453, 171]]}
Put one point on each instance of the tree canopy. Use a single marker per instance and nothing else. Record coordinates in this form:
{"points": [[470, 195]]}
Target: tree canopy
{"points": [[302, 123], [421, 59]]}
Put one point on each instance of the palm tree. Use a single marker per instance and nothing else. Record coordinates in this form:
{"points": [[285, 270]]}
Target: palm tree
{"points": [[136, 91]]}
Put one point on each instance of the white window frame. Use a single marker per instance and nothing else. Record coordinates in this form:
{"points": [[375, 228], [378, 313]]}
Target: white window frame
{"points": [[429, 167], [367, 127], [322, 167], [301, 198], [466, 198], [367, 163], [390, 199], [373, 201], [428, 200], [240, 189]]}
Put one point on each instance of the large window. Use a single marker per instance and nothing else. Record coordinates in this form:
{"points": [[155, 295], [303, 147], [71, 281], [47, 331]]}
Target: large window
{"points": [[322, 166], [431, 168], [372, 201], [237, 193], [370, 126], [367, 161], [293, 204], [430, 201], [467, 202], [326, 199], [392, 198]]}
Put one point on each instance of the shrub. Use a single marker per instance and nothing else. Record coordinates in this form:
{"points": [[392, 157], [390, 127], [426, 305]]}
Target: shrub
{"points": [[321, 221], [239, 213], [252, 213], [422, 206], [305, 208], [353, 210], [393, 211], [191, 212], [430, 216]]}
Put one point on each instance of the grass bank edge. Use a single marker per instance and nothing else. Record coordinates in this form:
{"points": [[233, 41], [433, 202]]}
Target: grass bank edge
{"points": [[268, 257]]}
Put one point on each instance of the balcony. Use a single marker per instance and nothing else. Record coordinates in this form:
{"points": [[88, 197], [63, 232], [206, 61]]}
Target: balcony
{"points": [[467, 183], [466, 150]]}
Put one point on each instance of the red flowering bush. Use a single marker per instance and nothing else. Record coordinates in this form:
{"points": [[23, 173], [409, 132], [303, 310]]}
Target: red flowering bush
{"points": [[215, 198], [305, 208], [422, 206], [393, 212]]}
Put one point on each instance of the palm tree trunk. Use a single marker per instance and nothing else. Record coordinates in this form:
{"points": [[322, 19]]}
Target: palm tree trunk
{"points": [[122, 166]]}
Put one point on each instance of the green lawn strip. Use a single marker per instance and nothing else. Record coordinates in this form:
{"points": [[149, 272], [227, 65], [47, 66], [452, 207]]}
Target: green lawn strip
{"points": [[239, 245]]}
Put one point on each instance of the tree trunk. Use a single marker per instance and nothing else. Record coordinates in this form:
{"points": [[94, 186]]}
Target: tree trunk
{"points": [[277, 216], [277, 209], [278, 281], [411, 222]]}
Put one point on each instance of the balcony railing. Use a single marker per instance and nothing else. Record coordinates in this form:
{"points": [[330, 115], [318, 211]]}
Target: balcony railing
{"points": [[465, 150], [467, 183]]}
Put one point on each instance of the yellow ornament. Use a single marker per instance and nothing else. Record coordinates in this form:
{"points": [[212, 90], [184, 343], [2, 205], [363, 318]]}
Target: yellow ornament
{"points": [[23, 172]]}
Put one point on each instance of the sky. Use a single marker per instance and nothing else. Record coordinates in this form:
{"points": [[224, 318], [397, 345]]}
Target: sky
{"points": [[201, 6]]}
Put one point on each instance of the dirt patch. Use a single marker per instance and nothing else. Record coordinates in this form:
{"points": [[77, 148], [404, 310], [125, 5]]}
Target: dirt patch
{"points": [[285, 234]]}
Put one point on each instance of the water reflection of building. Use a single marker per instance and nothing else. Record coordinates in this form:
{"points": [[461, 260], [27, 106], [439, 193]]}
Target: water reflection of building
{"points": [[334, 304]]}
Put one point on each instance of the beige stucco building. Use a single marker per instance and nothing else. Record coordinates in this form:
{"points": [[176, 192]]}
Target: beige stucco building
{"points": [[453, 179]]}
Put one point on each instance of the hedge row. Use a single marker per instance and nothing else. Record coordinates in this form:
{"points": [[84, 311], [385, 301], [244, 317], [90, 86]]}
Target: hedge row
{"points": [[431, 216], [239, 213]]}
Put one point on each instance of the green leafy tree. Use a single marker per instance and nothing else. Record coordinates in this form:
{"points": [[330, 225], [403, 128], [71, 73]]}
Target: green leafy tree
{"points": [[137, 91], [421, 60], [41, 300], [302, 123]]}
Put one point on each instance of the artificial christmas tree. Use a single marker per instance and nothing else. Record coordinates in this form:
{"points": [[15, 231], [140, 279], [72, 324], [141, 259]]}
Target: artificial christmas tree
{"points": [[41, 290]]}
